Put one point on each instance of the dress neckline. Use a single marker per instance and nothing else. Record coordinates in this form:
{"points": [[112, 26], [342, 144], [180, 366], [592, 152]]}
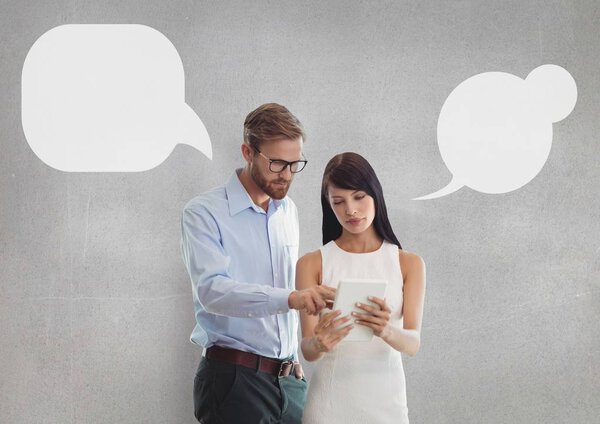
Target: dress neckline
{"points": [[355, 253]]}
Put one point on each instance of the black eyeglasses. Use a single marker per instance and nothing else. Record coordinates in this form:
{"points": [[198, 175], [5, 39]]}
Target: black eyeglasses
{"points": [[279, 165]]}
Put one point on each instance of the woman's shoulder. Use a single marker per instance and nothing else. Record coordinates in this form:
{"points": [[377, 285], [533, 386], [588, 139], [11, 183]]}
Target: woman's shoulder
{"points": [[311, 260], [308, 270], [410, 262]]}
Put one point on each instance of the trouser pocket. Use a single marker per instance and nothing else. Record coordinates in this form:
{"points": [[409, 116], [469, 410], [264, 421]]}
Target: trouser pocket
{"points": [[202, 392]]}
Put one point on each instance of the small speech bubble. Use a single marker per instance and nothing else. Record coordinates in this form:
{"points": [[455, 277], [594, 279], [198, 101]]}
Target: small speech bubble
{"points": [[495, 129], [106, 98]]}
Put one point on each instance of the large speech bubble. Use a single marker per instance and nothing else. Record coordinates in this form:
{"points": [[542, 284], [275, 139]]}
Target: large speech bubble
{"points": [[106, 98], [495, 129]]}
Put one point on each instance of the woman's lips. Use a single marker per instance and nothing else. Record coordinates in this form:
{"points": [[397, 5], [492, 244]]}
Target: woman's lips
{"points": [[354, 221]]}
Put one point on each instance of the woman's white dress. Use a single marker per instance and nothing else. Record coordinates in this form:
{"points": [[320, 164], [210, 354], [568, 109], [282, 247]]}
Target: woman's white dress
{"points": [[360, 382]]}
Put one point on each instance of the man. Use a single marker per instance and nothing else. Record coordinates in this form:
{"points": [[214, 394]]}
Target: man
{"points": [[240, 247]]}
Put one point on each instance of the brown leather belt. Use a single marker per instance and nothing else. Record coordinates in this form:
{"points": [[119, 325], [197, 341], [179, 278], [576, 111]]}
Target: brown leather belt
{"points": [[251, 360]]}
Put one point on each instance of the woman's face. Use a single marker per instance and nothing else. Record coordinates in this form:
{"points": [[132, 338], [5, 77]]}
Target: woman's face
{"points": [[354, 209]]}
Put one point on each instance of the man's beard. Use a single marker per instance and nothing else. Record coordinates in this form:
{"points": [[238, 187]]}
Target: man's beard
{"points": [[276, 192]]}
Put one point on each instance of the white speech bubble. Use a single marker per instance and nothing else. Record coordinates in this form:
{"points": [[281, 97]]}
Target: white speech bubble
{"points": [[106, 98], [495, 129]]}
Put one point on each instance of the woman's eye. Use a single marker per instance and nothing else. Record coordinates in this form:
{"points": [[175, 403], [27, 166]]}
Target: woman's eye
{"points": [[360, 197], [337, 203]]}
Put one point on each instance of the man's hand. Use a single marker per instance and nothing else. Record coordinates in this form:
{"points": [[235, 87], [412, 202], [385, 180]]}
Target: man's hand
{"points": [[311, 300], [298, 371]]}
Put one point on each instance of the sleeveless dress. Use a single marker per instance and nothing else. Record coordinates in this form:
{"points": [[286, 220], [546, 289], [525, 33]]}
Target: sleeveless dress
{"points": [[360, 382]]}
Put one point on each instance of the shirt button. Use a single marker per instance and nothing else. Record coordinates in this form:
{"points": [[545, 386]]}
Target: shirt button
{"points": [[276, 275], [249, 314], [280, 311]]}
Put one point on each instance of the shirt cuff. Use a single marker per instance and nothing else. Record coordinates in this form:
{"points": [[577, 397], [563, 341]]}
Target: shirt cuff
{"points": [[279, 301]]}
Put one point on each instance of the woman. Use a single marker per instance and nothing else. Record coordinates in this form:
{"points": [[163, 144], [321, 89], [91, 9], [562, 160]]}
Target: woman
{"points": [[360, 382]]}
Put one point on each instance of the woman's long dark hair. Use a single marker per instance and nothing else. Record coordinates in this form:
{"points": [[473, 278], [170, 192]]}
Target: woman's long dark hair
{"points": [[351, 171]]}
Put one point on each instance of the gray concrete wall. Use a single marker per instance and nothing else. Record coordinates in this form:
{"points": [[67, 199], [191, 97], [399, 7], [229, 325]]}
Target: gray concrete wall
{"points": [[95, 304]]}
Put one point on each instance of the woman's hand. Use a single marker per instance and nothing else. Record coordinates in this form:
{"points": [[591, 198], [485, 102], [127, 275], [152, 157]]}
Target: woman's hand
{"points": [[376, 318], [327, 335]]}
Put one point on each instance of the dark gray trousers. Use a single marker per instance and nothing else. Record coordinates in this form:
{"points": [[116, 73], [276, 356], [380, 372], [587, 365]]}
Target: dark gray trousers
{"points": [[232, 394]]}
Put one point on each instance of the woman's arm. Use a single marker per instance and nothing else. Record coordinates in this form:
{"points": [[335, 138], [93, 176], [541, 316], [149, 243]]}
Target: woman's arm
{"points": [[308, 270], [407, 339], [319, 334]]}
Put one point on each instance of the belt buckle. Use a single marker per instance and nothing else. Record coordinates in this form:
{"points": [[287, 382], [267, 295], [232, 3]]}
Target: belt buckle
{"points": [[284, 366]]}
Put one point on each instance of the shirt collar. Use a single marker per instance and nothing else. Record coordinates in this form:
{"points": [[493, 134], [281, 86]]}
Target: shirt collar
{"points": [[239, 199]]}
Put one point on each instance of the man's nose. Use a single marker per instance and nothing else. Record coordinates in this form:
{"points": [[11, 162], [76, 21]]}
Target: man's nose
{"points": [[286, 173]]}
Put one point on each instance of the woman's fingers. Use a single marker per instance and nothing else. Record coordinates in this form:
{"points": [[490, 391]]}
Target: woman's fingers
{"points": [[335, 332], [341, 334], [365, 318], [377, 328], [331, 338], [381, 306], [334, 328], [374, 311], [381, 316], [380, 302], [341, 330], [337, 322], [328, 317], [326, 320], [368, 308]]}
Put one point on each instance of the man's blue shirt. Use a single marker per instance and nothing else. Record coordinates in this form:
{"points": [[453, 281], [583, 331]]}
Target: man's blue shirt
{"points": [[242, 261]]}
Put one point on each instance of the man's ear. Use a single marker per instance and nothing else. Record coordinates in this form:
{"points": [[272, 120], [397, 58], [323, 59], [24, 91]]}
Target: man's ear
{"points": [[246, 152]]}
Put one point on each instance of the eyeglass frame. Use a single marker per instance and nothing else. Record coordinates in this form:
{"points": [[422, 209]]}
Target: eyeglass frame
{"points": [[301, 161]]}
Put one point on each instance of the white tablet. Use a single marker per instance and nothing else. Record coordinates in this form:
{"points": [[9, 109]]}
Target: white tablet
{"points": [[351, 291]]}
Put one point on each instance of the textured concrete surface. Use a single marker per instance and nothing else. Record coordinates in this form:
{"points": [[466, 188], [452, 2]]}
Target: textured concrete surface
{"points": [[95, 305]]}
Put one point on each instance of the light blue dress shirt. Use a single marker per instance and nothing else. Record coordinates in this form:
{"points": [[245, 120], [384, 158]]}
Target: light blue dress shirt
{"points": [[242, 262]]}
